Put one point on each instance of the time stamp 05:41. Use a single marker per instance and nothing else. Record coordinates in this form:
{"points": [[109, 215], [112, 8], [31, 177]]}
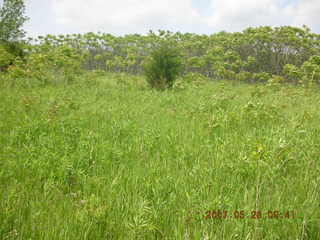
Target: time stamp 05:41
{"points": [[241, 214]]}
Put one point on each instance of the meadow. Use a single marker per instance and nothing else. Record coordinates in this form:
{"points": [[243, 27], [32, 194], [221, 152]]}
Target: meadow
{"points": [[106, 157]]}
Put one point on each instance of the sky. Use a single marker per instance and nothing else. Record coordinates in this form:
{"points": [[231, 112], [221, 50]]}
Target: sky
{"points": [[121, 17]]}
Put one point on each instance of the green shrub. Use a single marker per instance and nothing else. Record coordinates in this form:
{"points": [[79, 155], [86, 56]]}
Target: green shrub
{"points": [[261, 76], [311, 70], [244, 76], [6, 58], [307, 74], [47, 65], [9, 52], [163, 67], [190, 79], [275, 82], [292, 73]]}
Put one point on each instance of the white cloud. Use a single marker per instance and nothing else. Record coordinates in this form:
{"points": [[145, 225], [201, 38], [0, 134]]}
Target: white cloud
{"points": [[306, 12], [127, 16], [139, 16], [236, 15]]}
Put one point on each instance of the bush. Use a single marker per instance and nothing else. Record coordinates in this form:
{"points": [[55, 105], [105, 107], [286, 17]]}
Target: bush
{"points": [[163, 67], [292, 73], [190, 79], [9, 52], [261, 76], [307, 74], [6, 58], [47, 65], [244, 76]]}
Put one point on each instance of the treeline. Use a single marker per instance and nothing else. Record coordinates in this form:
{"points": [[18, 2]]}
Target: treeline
{"points": [[280, 54]]}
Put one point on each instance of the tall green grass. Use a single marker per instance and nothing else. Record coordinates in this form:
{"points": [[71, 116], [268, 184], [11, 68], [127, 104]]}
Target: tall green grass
{"points": [[112, 159]]}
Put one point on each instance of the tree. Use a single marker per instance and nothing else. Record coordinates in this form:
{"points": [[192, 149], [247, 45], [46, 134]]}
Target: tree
{"points": [[163, 67], [12, 19]]}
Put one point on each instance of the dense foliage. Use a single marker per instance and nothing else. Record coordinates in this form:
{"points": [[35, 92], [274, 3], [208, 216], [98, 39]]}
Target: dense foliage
{"points": [[12, 19], [163, 67], [46, 65], [262, 54]]}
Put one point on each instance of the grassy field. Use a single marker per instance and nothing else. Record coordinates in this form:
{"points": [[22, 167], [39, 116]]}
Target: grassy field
{"points": [[109, 158]]}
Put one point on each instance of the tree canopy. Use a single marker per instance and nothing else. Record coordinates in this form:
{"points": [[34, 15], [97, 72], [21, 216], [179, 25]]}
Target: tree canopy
{"points": [[12, 18]]}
